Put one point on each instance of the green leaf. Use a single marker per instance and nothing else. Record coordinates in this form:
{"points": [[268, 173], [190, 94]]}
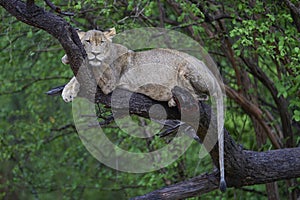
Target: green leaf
{"points": [[296, 115]]}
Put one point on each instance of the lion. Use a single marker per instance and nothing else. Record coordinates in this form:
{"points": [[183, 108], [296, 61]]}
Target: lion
{"points": [[153, 73]]}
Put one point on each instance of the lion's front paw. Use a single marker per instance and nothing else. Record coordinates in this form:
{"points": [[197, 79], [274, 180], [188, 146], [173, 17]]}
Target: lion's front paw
{"points": [[68, 95], [70, 91]]}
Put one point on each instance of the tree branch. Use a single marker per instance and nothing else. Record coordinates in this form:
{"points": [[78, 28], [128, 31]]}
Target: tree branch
{"points": [[53, 24], [282, 103], [255, 111], [194, 187], [61, 30], [57, 9], [242, 167], [208, 182], [295, 12]]}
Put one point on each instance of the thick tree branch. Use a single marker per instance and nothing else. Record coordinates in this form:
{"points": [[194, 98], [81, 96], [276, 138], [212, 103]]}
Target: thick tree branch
{"points": [[194, 187], [53, 24], [207, 182], [56, 26], [242, 167]]}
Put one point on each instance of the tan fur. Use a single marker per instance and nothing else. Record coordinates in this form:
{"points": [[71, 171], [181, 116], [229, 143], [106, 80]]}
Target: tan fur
{"points": [[153, 73]]}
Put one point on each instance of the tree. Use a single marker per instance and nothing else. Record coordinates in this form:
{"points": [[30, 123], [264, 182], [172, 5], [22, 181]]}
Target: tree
{"points": [[244, 33]]}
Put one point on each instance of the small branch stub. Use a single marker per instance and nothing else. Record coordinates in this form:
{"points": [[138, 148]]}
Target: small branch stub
{"points": [[57, 9]]}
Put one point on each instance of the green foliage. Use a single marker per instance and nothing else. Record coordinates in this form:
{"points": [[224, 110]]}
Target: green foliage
{"points": [[272, 46]]}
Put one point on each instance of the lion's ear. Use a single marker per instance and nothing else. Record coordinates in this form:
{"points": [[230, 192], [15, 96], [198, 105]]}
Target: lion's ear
{"points": [[110, 33], [65, 59], [80, 34]]}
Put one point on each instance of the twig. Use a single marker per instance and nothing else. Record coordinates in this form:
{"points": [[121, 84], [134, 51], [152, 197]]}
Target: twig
{"points": [[64, 127], [58, 9]]}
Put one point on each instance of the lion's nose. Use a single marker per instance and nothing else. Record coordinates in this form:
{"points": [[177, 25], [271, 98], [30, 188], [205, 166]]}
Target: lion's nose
{"points": [[91, 56]]}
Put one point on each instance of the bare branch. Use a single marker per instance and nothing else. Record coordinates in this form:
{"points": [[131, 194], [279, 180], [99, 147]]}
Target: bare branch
{"points": [[194, 187], [295, 13], [282, 104], [57, 9], [255, 111], [207, 182]]}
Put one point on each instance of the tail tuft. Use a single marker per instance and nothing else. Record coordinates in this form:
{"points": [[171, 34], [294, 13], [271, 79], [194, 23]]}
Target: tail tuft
{"points": [[223, 185]]}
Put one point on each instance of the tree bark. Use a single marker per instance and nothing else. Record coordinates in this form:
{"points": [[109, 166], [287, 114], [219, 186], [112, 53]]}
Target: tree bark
{"points": [[194, 187], [255, 168], [35, 16], [242, 167]]}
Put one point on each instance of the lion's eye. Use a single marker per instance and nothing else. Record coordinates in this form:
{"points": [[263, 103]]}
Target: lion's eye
{"points": [[88, 41]]}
